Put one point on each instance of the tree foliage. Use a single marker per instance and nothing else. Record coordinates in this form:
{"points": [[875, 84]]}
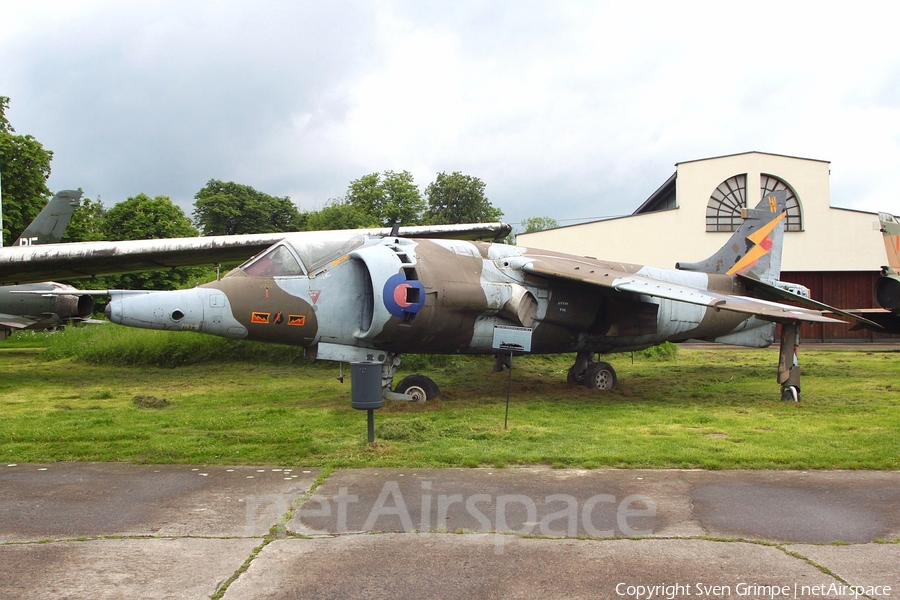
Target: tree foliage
{"points": [[24, 169], [228, 208], [143, 218], [532, 224], [458, 198], [390, 197], [339, 214], [86, 224]]}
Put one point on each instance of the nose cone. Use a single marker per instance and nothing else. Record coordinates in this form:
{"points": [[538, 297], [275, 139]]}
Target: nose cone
{"points": [[175, 310], [113, 311]]}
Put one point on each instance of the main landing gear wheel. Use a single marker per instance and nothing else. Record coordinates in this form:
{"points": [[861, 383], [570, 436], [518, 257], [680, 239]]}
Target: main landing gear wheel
{"points": [[419, 388], [600, 376]]}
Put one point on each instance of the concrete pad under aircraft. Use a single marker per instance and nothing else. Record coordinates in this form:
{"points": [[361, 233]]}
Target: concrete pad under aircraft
{"points": [[116, 530]]}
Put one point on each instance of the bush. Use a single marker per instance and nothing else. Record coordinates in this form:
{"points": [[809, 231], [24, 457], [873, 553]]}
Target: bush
{"points": [[662, 352], [123, 346]]}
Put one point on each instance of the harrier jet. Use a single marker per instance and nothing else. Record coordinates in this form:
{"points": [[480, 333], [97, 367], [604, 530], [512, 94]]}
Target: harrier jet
{"points": [[351, 296], [363, 295]]}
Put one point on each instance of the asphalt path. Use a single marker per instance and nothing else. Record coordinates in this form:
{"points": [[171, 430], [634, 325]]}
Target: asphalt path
{"points": [[101, 530]]}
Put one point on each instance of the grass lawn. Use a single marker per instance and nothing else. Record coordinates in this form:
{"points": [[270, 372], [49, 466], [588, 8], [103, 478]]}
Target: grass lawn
{"points": [[714, 409]]}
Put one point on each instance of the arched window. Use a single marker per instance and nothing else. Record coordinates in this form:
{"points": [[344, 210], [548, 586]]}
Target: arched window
{"points": [[723, 211], [770, 183]]}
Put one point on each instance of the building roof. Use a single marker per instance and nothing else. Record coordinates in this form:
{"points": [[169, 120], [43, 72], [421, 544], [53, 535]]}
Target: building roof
{"points": [[661, 199], [684, 162]]}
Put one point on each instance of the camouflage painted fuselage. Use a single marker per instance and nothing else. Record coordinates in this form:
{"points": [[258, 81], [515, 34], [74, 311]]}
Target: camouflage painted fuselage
{"points": [[398, 295]]}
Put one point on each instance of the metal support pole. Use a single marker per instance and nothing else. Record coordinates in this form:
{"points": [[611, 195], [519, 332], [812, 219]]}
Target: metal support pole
{"points": [[508, 390], [371, 423], [1, 209]]}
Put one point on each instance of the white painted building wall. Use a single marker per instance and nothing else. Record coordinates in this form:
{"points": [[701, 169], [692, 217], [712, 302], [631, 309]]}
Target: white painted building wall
{"points": [[833, 239]]}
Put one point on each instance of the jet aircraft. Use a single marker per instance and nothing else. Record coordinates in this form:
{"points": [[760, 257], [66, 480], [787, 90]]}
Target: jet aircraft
{"points": [[40, 306], [373, 294], [46, 304], [353, 297], [887, 288]]}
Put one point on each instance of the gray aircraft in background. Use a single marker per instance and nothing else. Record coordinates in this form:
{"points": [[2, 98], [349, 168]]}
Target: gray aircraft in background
{"points": [[39, 306], [887, 288]]}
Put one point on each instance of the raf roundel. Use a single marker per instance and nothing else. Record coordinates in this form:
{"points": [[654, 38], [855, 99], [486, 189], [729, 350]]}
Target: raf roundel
{"points": [[403, 296]]}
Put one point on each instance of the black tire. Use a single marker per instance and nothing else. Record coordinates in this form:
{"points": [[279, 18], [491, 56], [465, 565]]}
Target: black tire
{"points": [[791, 392], [421, 388], [601, 376]]}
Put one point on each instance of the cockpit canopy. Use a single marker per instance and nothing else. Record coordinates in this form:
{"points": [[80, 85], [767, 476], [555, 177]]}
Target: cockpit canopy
{"points": [[304, 254]]}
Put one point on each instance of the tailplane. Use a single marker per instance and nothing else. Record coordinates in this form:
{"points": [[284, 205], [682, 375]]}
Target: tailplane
{"points": [[754, 250]]}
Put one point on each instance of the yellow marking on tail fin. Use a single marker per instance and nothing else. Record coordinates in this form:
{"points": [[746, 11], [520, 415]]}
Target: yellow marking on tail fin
{"points": [[757, 251]]}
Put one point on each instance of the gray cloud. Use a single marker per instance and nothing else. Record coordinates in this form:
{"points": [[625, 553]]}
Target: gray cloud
{"points": [[570, 110]]}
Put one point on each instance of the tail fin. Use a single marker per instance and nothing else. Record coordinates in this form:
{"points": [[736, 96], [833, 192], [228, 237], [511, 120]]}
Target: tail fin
{"points": [[890, 227], [50, 224], [755, 248], [887, 288]]}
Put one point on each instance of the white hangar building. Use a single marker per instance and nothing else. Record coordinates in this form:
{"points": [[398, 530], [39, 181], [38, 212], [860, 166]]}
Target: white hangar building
{"points": [[835, 252]]}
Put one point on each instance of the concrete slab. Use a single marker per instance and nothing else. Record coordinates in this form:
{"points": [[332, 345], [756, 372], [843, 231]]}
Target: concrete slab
{"points": [[70, 500], [146, 568], [789, 506], [867, 566], [762, 521], [798, 506], [470, 566], [550, 502]]}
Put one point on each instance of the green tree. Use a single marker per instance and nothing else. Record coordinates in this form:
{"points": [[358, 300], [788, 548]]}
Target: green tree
{"points": [[390, 197], [24, 169], [86, 224], [339, 214], [228, 208], [458, 198], [144, 218], [532, 224]]}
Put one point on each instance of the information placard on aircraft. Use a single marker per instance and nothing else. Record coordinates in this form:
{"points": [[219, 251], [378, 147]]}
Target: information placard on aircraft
{"points": [[512, 339]]}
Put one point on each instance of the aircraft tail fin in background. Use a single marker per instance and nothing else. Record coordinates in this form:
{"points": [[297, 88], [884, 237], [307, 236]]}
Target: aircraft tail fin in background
{"points": [[887, 288], [50, 224], [890, 227], [754, 250]]}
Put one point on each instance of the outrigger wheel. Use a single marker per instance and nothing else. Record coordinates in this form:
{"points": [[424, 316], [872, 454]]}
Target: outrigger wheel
{"points": [[419, 388], [788, 364], [790, 392]]}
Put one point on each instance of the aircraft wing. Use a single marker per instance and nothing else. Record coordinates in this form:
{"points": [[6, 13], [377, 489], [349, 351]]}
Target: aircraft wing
{"points": [[887, 321], [25, 264], [46, 262], [8, 321], [622, 281], [462, 231], [776, 293]]}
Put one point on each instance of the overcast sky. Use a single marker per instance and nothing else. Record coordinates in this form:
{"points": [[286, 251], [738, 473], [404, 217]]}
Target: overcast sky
{"points": [[572, 110]]}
